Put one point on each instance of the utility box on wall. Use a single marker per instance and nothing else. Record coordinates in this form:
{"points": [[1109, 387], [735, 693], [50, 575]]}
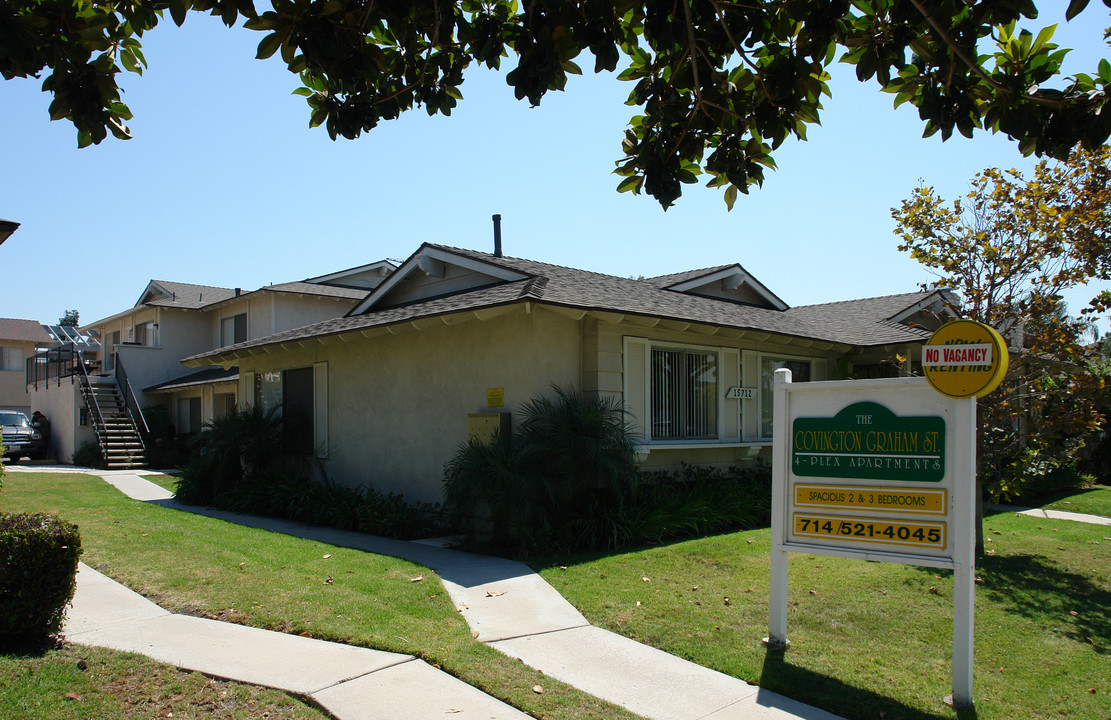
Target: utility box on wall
{"points": [[483, 426]]}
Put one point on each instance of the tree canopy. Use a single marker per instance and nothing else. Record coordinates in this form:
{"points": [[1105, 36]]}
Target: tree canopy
{"points": [[717, 85], [1011, 247]]}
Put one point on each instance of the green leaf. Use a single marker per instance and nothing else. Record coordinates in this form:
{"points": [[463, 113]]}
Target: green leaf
{"points": [[178, 10], [730, 196], [303, 92], [268, 46], [1075, 8], [633, 184]]}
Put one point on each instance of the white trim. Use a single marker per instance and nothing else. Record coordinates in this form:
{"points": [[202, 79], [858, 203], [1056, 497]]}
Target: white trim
{"points": [[384, 267], [734, 276], [320, 408], [934, 298], [418, 259]]}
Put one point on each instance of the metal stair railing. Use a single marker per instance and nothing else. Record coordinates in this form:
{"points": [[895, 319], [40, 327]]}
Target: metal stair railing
{"points": [[132, 405], [93, 405]]}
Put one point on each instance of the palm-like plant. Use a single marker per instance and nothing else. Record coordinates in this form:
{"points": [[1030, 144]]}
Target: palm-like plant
{"points": [[573, 445]]}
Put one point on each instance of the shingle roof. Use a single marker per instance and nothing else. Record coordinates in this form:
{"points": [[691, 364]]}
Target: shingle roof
{"points": [[860, 322], [200, 377], [868, 320], [188, 296], [308, 288], [662, 281], [23, 330]]}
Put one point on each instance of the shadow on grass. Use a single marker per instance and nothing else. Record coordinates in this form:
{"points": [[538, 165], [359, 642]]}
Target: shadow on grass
{"points": [[23, 647], [1034, 587], [780, 676]]}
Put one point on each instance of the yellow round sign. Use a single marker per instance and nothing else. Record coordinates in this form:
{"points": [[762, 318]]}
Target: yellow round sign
{"points": [[965, 359]]}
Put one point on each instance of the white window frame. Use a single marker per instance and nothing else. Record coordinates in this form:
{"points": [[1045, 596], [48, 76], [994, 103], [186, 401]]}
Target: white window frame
{"points": [[768, 389], [728, 431], [8, 354], [224, 340]]}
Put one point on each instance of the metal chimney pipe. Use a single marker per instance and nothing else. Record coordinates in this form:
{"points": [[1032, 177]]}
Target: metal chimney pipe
{"points": [[497, 236]]}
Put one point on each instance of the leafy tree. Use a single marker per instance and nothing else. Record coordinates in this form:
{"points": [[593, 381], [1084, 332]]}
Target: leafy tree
{"points": [[718, 85], [71, 318], [1011, 247]]}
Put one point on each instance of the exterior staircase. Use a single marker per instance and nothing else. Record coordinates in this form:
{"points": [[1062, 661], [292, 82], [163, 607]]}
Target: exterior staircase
{"points": [[119, 438]]}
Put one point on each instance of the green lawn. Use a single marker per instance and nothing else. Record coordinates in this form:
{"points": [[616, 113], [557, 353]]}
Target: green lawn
{"points": [[167, 481], [874, 640], [79, 683], [207, 567], [869, 640], [1095, 501]]}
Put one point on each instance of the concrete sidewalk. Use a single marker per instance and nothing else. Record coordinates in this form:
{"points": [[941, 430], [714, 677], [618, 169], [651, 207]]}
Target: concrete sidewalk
{"points": [[506, 604], [1054, 514], [349, 682]]}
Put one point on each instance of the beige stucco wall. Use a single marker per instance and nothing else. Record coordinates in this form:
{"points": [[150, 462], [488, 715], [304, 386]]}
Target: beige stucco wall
{"points": [[61, 403], [182, 333], [273, 312], [294, 311], [398, 403], [13, 383]]}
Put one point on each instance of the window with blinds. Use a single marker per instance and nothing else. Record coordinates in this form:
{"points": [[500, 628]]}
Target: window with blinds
{"points": [[684, 395]]}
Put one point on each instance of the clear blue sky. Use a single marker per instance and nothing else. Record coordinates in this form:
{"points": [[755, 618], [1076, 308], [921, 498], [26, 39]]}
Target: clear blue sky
{"points": [[225, 184]]}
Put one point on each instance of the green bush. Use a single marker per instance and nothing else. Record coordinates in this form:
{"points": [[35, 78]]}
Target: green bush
{"points": [[1059, 481], [38, 571], [568, 451], [241, 463], [165, 448], [89, 455], [234, 448], [568, 481]]}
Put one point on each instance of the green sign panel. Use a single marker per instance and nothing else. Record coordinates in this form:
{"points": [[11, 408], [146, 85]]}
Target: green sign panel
{"points": [[866, 441]]}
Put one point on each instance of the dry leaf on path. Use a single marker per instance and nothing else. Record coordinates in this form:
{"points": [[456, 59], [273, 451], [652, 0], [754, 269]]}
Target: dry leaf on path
{"points": [[495, 593]]}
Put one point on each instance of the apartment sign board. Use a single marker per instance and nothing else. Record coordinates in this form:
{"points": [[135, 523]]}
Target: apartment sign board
{"points": [[856, 474], [879, 470]]}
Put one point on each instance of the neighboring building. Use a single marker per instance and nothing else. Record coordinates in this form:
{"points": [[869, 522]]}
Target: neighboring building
{"points": [[19, 340], [142, 348], [389, 388]]}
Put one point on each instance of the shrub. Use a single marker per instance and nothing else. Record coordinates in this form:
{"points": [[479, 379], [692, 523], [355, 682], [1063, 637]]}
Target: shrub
{"points": [[233, 448], [89, 455], [165, 448], [1059, 481], [568, 481], [38, 571], [569, 451], [241, 463]]}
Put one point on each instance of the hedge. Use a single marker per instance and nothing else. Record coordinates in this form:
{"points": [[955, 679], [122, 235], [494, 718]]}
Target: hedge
{"points": [[38, 575]]}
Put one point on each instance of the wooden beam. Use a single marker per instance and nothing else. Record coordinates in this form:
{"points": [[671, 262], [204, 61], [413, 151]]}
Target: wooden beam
{"points": [[493, 312], [607, 317], [572, 313]]}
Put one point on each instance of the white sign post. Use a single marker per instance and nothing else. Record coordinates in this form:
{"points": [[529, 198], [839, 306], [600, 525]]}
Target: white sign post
{"points": [[880, 470]]}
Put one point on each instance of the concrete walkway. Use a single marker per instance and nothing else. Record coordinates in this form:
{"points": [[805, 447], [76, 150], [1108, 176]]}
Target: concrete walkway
{"points": [[1054, 514], [506, 604]]}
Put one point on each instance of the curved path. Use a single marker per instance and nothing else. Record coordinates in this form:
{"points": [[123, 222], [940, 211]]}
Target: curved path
{"points": [[507, 605]]}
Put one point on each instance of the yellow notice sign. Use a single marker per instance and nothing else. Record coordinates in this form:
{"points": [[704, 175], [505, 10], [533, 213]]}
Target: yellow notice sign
{"points": [[870, 530], [965, 358], [887, 499], [495, 397]]}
